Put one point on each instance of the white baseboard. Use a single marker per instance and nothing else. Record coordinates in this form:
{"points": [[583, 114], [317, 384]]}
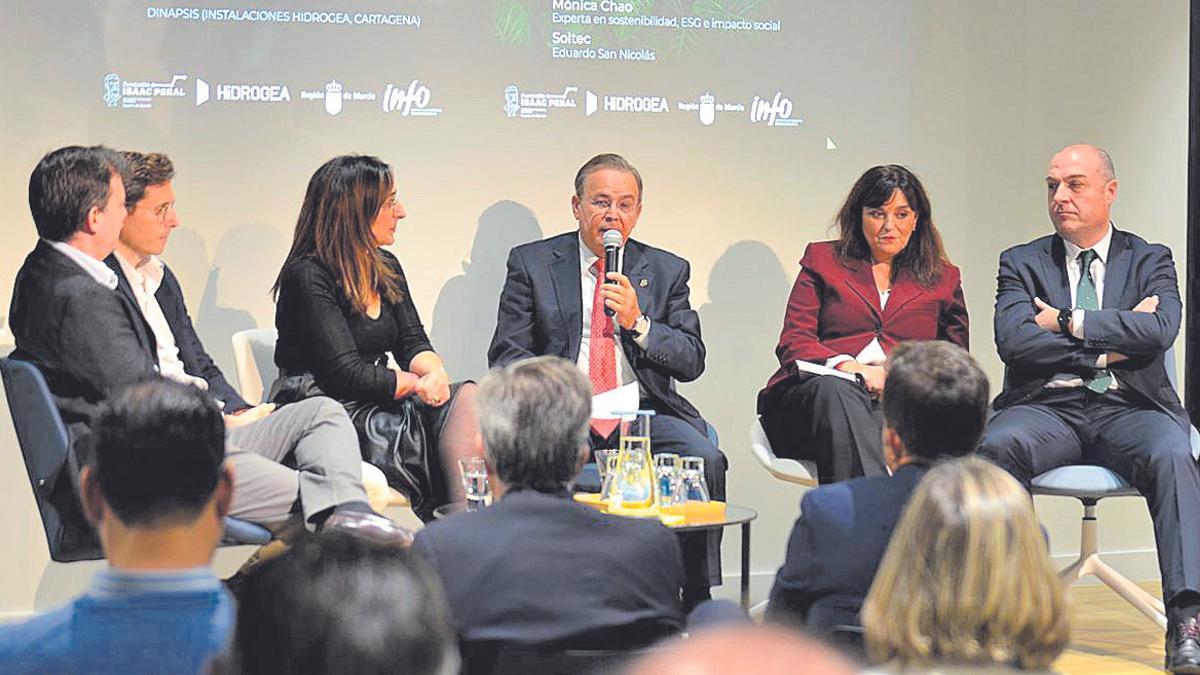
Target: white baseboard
{"points": [[13, 617], [1139, 565]]}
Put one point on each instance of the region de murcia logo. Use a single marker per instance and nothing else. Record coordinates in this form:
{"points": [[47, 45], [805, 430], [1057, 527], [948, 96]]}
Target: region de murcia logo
{"points": [[334, 96]]}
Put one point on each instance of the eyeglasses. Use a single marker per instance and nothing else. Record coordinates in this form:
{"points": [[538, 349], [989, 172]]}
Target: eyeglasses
{"points": [[161, 211], [624, 207]]}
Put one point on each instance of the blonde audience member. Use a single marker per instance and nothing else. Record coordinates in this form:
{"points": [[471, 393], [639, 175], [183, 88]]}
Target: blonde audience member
{"points": [[966, 580]]}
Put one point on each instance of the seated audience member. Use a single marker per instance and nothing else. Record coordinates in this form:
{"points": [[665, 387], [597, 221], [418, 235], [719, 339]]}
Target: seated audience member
{"points": [[762, 650], [336, 603], [537, 568], [342, 304], [934, 406], [886, 279], [156, 494], [88, 338], [966, 582], [1083, 319]]}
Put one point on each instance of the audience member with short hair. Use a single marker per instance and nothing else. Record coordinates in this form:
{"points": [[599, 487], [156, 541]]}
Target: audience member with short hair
{"points": [[934, 406], [762, 650], [337, 603], [537, 568], [157, 495], [967, 581]]}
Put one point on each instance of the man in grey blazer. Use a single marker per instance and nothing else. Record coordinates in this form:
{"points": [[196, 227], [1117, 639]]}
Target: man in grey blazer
{"points": [[554, 302]]}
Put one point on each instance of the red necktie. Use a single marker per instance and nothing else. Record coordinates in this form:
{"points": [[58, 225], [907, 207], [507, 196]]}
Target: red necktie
{"points": [[602, 352]]}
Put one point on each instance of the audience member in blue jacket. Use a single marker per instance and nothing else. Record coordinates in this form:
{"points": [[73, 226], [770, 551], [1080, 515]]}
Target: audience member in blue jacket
{"points": [[157, 494], [934, 406]]}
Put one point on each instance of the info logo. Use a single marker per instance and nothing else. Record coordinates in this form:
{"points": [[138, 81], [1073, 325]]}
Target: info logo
{"points": [[411, 100], [774, 112]]}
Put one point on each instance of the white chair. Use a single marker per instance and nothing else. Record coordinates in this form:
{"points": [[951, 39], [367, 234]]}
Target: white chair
{"points": [[800, 472], [254, 360], [1089, 484]]}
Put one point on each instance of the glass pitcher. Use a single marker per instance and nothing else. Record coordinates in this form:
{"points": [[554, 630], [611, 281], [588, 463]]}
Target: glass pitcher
{"points": [[631, 491]]}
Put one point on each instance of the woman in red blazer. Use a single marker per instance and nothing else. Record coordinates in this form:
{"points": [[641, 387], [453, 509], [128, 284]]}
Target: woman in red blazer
{"points": [[884, 280]]}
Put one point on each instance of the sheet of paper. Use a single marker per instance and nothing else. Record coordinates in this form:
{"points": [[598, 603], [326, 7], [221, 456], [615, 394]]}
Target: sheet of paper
{"points": [[818, 369], [622, 399]]}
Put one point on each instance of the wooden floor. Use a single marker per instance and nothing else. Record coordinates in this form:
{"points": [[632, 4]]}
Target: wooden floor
{"points": [[1109, 636]]}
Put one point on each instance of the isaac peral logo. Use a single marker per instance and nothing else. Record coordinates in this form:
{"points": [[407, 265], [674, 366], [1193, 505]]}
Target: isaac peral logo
{"points": [[122, 93], [112, 90]]}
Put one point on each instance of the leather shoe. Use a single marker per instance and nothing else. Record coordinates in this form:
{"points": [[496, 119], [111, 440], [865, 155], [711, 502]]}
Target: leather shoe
{"points": [[369, 526], [1183, 647]]}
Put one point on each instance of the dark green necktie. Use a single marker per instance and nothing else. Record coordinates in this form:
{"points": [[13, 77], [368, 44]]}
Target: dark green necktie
{"points": [[1085, 298]]}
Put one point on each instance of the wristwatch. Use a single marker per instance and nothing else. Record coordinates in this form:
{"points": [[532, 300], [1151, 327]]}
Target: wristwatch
{"points": [[641, 326], [1064, 320]]}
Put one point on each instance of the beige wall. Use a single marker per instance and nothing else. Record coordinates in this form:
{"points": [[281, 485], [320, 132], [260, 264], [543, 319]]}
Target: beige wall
{"points": [[974, 96]]}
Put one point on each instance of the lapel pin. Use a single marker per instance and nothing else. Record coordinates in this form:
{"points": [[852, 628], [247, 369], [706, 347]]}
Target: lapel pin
{"points": [[644, 283]]}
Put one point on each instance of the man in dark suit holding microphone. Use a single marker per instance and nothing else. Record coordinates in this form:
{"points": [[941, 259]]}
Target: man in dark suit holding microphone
{"points": [[1083, 318], [554, 303]]}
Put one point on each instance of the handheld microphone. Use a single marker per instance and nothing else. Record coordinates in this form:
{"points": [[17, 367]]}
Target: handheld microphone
{"points": [[612, 250]]}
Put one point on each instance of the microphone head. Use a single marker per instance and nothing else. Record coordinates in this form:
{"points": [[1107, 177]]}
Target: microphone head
{"points": [[612, 239]]}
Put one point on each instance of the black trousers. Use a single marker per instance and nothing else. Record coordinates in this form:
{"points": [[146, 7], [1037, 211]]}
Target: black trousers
{"points": [[701, 550], [1123, 432], [830, 421]]}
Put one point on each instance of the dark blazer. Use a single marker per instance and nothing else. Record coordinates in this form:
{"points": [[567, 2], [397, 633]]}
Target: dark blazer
{"points": [[539, 568], [1134, 270], [836, 546], [541, 312], [86, 339], [834, 309], [196, 361]]}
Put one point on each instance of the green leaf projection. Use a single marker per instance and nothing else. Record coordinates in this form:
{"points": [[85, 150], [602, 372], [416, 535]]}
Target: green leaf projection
{"points": [[510, 22]]}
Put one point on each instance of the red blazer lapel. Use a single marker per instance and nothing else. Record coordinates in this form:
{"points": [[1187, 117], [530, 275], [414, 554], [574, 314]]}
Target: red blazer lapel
{"points": [[904, 290], [862, 283]]}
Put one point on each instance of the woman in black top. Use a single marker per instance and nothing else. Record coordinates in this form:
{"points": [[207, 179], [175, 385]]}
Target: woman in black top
{"points": [[342, 306]]}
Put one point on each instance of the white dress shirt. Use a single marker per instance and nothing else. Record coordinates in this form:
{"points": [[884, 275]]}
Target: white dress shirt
{"points": [[96, 269], [1074, 274], [625, 373], [145, 278]]}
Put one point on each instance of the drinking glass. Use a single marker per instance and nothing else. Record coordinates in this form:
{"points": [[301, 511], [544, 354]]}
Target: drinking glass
{"points": [[695, 488], [475, 482], [668, 480], [606, 463]]}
